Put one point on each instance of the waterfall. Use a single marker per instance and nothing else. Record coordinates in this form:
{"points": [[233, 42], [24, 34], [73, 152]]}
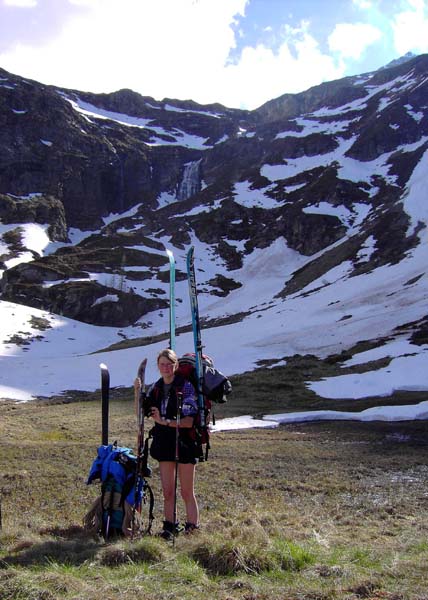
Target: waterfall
{"points": [[190, 182], [121, 185]]}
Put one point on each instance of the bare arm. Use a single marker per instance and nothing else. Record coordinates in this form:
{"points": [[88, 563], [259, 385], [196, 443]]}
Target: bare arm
{"points": [[185, 422]]}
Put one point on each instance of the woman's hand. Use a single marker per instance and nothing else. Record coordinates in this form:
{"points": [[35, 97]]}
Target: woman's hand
{"points": [[155, 415]]}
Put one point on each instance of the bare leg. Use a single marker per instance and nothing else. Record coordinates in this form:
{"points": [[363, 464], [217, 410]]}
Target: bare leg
{"points": [[167, 475], [187, 485]]}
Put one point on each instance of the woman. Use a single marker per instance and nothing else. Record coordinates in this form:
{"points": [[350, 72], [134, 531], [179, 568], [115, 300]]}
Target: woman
{"points": [[164, 399]]}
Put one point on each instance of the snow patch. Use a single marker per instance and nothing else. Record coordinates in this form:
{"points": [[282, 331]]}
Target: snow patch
{"points": [[106, 298]]}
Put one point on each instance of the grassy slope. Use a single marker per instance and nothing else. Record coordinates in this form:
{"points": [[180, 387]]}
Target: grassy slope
{"points": [[310, 511]]}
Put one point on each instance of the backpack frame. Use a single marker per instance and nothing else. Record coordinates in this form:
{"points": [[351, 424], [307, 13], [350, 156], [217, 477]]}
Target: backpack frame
{"points": [[216, 388]]}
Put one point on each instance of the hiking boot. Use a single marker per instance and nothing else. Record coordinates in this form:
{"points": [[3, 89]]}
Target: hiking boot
{"points": [[169, 530], [190, 528], [165, 534]]}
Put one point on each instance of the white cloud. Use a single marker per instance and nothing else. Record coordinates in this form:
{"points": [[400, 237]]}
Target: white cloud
{"points": [[21, 3], [410, 28], [264, 74], [85, 3], [350, 40], [363, 4]]}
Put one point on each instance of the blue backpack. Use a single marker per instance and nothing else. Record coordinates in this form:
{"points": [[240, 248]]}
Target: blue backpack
{"points": [[117, 511]]}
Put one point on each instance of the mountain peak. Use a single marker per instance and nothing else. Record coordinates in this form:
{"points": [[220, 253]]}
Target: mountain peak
{"points": [[399, 61]]}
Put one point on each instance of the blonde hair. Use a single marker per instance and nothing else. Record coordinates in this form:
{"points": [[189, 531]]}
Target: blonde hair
{"points": [[169, 355]]}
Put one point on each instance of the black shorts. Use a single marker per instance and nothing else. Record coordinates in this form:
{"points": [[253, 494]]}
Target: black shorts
{"points": [[163, 446]]}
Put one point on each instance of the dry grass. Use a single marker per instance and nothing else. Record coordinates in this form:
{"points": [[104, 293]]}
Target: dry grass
{"points": [[305, 512]]}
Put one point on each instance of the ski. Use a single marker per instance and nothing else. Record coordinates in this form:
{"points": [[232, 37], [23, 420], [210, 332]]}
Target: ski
{"points": [[105, 391], [171, 299], [142, 469], [141, 374], [197, 340]]}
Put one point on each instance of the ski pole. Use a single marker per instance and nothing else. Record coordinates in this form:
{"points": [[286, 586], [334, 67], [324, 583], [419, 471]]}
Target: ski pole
{"points": [[110, 509], [177, 458]]}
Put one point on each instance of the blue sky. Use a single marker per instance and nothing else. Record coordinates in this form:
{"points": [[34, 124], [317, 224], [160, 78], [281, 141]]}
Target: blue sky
{"points": [[240, 53]]}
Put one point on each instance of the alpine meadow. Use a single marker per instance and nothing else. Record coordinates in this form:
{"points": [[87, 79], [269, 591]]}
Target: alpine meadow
{"points": [[289, 245]]}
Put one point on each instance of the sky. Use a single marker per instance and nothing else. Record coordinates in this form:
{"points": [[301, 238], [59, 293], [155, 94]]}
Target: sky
{"points": [[240, 53]]}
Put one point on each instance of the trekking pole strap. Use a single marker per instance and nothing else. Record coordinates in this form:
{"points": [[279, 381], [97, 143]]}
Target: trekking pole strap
{"points": [[151, 507]]}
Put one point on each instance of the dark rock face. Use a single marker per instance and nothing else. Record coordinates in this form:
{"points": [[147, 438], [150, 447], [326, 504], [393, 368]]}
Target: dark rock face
{"points": [[43, 210], [302, 167], [85, 301], [70, 293], [59, 143]]}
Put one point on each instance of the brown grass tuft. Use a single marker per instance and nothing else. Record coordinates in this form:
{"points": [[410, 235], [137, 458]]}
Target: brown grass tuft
{"points": [[146, 550]]}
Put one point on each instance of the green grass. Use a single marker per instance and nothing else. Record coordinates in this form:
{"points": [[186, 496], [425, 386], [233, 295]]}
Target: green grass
{"points": [[311, 511]]}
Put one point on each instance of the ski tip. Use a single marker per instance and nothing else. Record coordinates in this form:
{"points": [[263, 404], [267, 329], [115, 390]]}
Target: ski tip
{"points": [[103, 367], [169, 252], [142, 367]]}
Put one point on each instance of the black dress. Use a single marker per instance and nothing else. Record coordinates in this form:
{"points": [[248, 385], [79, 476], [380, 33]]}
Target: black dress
{"points": [[165, 398]]}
